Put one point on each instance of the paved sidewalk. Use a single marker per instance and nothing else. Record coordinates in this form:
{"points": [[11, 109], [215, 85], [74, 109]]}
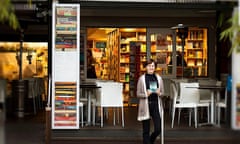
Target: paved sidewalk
{"points": [[2, 127], [31, 130]]}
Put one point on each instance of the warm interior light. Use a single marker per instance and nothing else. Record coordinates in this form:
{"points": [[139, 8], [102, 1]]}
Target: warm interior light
{"points": [[133, 29], [129, 29]]}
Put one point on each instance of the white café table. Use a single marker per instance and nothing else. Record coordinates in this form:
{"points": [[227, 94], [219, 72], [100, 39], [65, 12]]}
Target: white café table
{"points": [[89, 87]]}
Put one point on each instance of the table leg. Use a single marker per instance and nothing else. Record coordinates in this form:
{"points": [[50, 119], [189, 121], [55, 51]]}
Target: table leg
{"points": [[212, 107], [217, 99], [89, 108]]}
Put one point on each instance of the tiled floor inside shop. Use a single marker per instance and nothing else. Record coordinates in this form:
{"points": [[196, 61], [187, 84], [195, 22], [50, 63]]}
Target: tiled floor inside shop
{"points": [[31, 130]]}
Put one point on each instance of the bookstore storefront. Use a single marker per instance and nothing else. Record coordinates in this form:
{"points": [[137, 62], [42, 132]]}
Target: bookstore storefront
{"points": [[108, 32], [121, 36], [131, 47]]}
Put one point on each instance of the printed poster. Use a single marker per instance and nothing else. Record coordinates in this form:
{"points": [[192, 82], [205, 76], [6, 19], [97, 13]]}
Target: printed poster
{"points": [[161, 59], [161, 42]]}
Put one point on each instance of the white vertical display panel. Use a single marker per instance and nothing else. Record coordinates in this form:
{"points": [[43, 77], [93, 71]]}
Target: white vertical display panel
{"points": [[65, 65], [235, 91], [235, 86]]}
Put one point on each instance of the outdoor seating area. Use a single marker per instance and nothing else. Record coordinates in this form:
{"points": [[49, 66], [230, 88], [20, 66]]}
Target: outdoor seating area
{"points": [[130, 133], [202, 101], [195, 94], [24, 97], [99, 97]]}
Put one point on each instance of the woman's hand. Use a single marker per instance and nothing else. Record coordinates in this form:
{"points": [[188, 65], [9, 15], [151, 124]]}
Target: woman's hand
{"points": [[158, 92], [149, 92]]}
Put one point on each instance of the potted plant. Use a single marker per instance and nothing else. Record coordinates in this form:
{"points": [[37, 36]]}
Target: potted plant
{"points": [[7, 14]]}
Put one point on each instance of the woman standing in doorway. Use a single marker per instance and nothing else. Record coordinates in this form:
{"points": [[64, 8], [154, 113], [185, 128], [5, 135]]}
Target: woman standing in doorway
{"points": [[149, 91], [91, 72]]}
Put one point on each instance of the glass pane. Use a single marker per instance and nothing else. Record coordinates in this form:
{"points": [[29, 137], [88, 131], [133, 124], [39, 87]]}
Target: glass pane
{"points": [[196, 52], [161, 51]]}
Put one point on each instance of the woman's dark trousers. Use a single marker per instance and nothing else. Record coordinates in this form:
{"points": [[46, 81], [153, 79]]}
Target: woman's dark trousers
{"points": [[154, 113]]}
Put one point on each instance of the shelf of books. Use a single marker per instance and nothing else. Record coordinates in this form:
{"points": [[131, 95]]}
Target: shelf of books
{"points": [[113, 55], [65, 66], [132, 53], [135, 69], [65, 104], [196, 51], [99, 52]]}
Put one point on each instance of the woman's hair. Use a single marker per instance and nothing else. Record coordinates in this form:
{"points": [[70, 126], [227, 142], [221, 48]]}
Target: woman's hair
{"points": [[150, 61]]}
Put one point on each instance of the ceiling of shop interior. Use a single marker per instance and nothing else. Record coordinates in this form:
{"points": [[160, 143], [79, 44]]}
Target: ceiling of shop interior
{"points": [[102, 33], [96, 34]]}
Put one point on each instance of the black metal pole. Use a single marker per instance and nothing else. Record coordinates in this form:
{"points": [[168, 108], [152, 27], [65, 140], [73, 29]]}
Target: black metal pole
{"points": [[49, 19], [48, 108], [182, 56], [21, 53]]}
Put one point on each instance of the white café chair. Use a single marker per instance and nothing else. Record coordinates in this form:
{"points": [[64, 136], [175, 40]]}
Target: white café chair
{"points": [[173, 98], [205, 95], [39, 91], [189, 98], [175, 82], [32, 92], [166, 94], [221, 104], [166, 83], [80, 104], [110, 96]]}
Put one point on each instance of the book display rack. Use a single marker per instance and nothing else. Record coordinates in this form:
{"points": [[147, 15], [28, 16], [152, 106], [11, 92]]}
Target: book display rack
{"points": [[65, 66]]}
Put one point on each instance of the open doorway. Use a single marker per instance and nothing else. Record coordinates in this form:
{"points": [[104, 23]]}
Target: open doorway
{"points": [[97, 57], [113, 55]]}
